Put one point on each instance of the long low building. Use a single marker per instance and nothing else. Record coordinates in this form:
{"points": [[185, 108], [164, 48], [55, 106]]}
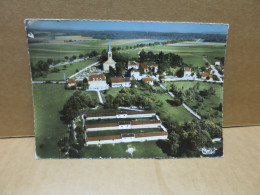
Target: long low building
{"points": [[124, 125], [121, 114], [126, 137]]}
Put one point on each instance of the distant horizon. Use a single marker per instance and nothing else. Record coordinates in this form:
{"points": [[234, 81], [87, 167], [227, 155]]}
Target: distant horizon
{"points": [[156, 27]]}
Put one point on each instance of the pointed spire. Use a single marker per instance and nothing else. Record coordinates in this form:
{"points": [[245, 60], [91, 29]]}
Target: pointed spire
{"points": [[109, 46]]}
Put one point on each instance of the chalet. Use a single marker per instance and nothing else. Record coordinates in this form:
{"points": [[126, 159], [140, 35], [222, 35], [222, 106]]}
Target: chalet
{"points": [[110, 62], [97, 82], [187, 72], [147, 67], [211, 77], [148, 80], [135, 74], [132, 64], [71, 82], [120, 82], [204, 75]]}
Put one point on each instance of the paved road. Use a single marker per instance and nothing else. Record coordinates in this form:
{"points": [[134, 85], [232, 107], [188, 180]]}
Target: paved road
{"points": [[171, 78]]}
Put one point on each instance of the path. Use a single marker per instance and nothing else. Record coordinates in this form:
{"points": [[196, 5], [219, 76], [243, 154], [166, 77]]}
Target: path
{"points": [[172, 78], [70, 62], [49, 82], [184, 105], [84, 69], [214, 68], [100, 97]]}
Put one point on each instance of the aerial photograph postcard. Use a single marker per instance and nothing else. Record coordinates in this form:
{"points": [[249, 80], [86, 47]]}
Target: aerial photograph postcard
{"points": [[127, 89]]}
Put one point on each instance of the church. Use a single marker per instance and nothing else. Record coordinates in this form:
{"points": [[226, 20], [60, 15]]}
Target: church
{"points": [[110, 61]]}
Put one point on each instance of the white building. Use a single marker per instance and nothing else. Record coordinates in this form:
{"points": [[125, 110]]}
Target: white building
{"points": [[120, 82], [135, 74], [132, 64], [217, 63], [97, 82], [148, 80], [71, 82], [187, 72], [110, 61]]}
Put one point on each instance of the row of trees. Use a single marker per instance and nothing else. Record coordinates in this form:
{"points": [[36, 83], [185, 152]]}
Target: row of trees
{"points": [[185, 140], [75, 104]]}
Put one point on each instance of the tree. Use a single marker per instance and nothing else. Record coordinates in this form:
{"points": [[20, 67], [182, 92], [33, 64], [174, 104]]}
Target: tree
{"points": [[81, 55], [180, 73], [66, 57]]}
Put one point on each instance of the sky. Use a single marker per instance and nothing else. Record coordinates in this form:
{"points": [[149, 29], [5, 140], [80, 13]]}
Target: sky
{"points": [[128, 26]]}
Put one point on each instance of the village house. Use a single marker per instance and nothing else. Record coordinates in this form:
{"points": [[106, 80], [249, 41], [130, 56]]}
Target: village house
{"points": [[71, 82], [187, 72], [97, 82], [132, 64], [211, 70], [120, 82], [148, 80], [135, 74], [217, 62], [204, 75], [110, 62], [146, 67], [210, 77]]}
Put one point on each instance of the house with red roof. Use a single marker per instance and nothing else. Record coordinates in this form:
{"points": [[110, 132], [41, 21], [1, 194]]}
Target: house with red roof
{"points": [[132, 64], [187, 72], [135, 74], [71, 82], [204, 75], [120, 82], [148, 80], [97, 82]]}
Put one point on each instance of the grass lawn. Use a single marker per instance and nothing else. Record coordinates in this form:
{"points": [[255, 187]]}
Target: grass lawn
{"points": [[119, 132], [167, 111], [148, 149], [210, 103], [70, 70], [48, 101]]}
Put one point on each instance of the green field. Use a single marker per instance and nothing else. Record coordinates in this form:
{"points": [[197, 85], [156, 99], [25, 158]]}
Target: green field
{"points": [[69, 70], [210, 103], [166, 111], [192, 54], [148, 149], [48, 101]]}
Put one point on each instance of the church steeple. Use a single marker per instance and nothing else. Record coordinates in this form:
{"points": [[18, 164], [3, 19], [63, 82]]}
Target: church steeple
{"points": [[109, 51], [109, 46]]}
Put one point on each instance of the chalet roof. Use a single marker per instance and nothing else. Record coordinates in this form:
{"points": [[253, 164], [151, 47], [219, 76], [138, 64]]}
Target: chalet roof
{"points": [[147, 79], [97, 77], [120, 79], [204, 74], [71, 81]]}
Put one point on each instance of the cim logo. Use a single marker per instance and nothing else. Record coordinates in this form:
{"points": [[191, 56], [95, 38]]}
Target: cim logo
{"points": [[207, 151]]}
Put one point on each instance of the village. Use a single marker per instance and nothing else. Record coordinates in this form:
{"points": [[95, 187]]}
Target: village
{"points": [[134, 124]]}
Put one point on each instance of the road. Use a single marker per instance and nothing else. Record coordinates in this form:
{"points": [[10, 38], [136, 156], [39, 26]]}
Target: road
{"points": [[70, 62], [84, 69], [214, 68]]}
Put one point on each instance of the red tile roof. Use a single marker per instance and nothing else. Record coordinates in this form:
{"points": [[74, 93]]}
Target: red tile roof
{"points": [[147, 79], [204, 74], [145, 122], [187, 69], [108, 137], [135, 70], [127, 135], [144, 65], [70, 81], [117, 80], [151, 134], [97, 77]]}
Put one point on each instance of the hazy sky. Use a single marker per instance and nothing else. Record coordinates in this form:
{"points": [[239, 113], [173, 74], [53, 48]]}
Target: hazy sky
{"points": [[128, 26]]}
